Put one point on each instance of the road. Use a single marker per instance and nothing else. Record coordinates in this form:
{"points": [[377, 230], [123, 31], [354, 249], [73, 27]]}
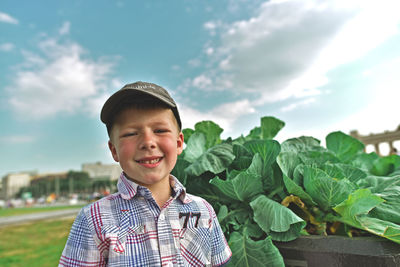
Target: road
{"points": [[20, 219]]}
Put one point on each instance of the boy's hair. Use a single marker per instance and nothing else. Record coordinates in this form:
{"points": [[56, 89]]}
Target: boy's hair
{"points": [[141, 95]]}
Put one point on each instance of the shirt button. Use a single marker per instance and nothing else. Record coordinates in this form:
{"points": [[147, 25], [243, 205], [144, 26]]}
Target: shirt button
{"points": [[161, 217], [170, 264]]}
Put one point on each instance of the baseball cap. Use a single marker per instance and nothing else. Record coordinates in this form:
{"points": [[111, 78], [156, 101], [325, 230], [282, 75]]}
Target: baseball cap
{"points": [[135, 92]]}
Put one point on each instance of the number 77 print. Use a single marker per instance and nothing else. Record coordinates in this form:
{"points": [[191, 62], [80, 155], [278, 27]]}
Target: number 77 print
{"points": [[188, 215]]}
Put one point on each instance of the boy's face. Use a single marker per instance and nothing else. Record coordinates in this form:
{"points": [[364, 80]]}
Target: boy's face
{"points": [[146, 143]]}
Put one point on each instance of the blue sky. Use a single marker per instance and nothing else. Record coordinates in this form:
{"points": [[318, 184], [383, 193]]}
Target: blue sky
{"points": [[319, 67]]}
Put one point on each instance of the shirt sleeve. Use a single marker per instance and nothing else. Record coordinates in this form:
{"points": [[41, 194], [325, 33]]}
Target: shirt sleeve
{"points": [[81, 248], [220, 251]]}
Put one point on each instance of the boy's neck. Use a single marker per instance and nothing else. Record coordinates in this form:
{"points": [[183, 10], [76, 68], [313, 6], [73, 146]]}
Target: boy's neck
{"points": [[161, 191]]}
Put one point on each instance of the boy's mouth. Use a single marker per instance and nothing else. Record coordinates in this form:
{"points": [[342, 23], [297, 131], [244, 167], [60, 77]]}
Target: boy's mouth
{"points": [[149, 161]]}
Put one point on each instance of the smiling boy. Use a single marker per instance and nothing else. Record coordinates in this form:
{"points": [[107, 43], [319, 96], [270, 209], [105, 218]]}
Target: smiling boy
{"points": [[146, 143], [151, 220]]}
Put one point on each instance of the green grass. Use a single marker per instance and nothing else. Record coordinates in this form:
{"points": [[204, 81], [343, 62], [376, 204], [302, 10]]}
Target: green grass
{"points": [[20, 211], [38, 244]]}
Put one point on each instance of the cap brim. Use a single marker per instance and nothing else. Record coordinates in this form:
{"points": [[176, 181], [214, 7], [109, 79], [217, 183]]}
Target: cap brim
{"points": [[127, 96]]}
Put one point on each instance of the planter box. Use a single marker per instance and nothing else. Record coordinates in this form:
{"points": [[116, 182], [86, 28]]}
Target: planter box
{"points": [[337, 251]]}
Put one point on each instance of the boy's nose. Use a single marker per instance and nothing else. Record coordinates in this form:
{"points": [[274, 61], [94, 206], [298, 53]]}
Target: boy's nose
{"points": [[147, 141]]}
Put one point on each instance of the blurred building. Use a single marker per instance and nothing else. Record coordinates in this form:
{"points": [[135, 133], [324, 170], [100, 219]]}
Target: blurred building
{"points": [[101, 171], [61, 183], [49, 176], [388, 137], [12, 183], [47, 183]]}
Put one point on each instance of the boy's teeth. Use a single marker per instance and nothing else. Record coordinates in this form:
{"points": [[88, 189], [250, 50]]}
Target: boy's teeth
{"points": [[150, 161]]}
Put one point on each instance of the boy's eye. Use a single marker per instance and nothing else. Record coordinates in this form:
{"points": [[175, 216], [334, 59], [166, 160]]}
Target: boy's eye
{"points": [[129, 134], [160, 130]]}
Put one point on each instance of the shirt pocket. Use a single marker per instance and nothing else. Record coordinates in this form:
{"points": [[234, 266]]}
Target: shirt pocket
{"points": [[116, 236], [195, 245]]}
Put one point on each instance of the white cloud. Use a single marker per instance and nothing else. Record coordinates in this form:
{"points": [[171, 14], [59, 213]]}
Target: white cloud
{"points": [[17, 139], [298, 104], [202, 82], [286, 50], [58, 80], [175, 67], [381, 112], [237, 6], [212, 26], [194, 62], [225, 115], [370, 27], [209, 51], [65, 28], [7, 18], [6, 47]]}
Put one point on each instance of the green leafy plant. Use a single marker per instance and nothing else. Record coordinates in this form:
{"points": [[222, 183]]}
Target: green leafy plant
{"points": [[264, 191]]}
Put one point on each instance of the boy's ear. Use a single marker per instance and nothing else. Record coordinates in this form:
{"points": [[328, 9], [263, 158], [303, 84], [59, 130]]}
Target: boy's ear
{"points": [[113, 151], [180, 143]]}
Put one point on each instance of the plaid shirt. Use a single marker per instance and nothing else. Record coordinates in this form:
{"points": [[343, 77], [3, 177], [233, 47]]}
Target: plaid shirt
{"points": [[128, 228]]}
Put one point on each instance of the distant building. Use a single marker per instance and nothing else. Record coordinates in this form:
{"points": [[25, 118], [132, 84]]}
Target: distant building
{"points": [[376, 139], [51, 176], [101, 171], [13, 182], [44, 184]]}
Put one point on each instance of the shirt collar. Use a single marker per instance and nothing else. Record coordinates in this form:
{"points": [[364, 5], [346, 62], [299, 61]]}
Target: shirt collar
{"points": [[128, 189], [178, 190]]}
